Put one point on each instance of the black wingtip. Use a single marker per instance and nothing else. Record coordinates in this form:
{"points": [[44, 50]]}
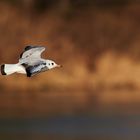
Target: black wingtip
{"points": [[31, 47], [29, 74], [28, 48]]}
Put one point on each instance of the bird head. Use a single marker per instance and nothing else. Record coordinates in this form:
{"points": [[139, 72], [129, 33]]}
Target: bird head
{"points": [[51, 64]]}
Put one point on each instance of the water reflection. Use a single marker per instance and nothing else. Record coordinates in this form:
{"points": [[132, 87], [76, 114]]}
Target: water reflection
{"points": [[74, 127]]}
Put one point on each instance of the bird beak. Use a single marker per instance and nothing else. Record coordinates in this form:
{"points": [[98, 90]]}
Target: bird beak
{"points": [[59, 66]]}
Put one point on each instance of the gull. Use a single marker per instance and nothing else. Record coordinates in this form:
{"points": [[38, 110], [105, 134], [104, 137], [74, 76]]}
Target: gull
{"points": [[30, 63]]}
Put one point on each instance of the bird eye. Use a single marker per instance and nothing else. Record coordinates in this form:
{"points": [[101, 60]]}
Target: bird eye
{"points": [[52, 63]]}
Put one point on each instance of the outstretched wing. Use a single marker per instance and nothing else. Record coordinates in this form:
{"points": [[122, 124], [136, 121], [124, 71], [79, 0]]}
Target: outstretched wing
{"points": [[31, 55]]}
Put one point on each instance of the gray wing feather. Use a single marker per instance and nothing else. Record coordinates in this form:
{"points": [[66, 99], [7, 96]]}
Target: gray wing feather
{"points": [[31, 55]]}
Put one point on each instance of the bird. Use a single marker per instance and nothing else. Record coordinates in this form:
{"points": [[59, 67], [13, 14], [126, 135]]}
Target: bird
{"points": [[30, 63]]}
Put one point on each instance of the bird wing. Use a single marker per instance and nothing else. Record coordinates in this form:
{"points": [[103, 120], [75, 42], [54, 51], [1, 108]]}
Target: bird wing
{"points": [[35, 69], [31, 55]]}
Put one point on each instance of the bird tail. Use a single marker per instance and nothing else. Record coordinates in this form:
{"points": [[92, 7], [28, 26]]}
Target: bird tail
{"points": [[7, 69]]}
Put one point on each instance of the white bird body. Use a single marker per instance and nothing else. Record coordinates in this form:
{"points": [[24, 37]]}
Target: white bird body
{"points": [[30, 63]]}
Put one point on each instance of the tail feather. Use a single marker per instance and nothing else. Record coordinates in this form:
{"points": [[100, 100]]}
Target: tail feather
{"points": [[2, 69], [7, 69]]}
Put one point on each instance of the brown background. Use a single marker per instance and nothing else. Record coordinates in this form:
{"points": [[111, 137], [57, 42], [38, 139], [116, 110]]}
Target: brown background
{"points": [[98, 44]]}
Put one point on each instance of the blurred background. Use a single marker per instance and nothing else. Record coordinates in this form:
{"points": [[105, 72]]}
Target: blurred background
{"points": [[96, 95]]}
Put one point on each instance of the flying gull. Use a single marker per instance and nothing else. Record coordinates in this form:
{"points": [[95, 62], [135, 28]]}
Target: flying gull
{"points": [[30, 63]]}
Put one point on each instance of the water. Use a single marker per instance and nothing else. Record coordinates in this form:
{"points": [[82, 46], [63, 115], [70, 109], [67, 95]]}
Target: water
{"points": [[101, 127]]}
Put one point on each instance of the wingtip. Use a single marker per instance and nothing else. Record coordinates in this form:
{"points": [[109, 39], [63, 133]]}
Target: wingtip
{"points": [[28, 47]]}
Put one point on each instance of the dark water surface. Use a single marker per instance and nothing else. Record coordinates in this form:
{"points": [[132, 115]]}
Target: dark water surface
{"points": [[72, 128]]}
